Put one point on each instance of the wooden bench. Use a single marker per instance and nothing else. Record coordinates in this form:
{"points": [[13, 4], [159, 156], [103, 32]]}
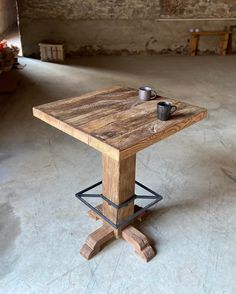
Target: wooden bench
{"points": [[232, 29], [223, 44]]}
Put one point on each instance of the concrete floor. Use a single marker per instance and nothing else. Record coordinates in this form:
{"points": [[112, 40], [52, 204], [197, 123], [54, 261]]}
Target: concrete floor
{"points": [[43, 226]]}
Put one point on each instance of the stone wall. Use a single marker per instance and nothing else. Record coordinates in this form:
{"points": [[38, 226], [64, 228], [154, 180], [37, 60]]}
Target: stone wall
{"points": [[121, 26], [7, 15]]}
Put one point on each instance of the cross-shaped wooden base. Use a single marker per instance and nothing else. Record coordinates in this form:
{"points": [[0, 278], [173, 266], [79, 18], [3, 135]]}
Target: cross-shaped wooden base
{"points": [[97, 240]]}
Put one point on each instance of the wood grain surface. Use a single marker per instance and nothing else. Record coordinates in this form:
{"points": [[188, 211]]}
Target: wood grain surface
{"points": [[118, 185], [139, 242], [96, 240], [223, 43], [115, 122], [209, 33]]}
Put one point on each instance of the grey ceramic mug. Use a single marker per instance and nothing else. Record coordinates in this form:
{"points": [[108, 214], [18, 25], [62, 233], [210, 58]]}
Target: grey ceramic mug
{"points": [[164, 110], [146, 93]]}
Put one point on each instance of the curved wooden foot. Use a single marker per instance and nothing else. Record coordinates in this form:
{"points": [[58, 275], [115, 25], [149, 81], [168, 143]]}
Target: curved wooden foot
{"points": [[96, 240], [140, 243]]}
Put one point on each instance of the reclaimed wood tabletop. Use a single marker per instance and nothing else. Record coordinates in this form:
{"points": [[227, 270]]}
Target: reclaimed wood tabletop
{"points": [[115, 122]]}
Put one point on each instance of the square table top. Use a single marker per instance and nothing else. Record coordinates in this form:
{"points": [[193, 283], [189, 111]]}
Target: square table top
{"points": [[115, 122]]}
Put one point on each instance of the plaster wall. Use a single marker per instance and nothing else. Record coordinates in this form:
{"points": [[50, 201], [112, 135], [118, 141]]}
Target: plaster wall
{"points": [[7, 15], [122, 26]]}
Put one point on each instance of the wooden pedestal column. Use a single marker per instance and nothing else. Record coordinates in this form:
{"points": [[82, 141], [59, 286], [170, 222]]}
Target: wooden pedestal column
{"points": [[118, 185]]}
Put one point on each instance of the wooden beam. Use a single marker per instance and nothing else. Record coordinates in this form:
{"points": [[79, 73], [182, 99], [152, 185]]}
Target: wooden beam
{"points": [[224, 43], [209, 33]]}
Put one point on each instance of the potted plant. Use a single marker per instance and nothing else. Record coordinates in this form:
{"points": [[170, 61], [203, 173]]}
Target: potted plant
{"points": [[8, 56]]}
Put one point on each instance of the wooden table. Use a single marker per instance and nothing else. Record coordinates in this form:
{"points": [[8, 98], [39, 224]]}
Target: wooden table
{"points": [[116, 123], [223, 44]]}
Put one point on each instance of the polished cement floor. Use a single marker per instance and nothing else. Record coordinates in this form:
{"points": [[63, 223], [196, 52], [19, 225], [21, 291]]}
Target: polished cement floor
{"points": [[42, 224]]}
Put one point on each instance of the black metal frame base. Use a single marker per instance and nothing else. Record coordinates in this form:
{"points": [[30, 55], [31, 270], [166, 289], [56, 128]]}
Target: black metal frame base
{"points": [[80, 195]]}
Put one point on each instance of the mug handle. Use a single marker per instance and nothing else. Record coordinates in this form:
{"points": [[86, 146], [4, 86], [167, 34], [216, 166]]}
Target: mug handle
{"points": [[155, 95], [173, 109]]}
